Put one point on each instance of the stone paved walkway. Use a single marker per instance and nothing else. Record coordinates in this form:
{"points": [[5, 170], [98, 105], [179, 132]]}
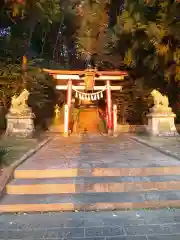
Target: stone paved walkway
{"points": [[90, 152], [96, 152], [170, 145], [131, 225]]}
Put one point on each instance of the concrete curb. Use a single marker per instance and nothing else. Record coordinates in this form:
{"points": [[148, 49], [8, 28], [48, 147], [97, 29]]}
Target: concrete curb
{"points": [[160, 149], [7, 173]]}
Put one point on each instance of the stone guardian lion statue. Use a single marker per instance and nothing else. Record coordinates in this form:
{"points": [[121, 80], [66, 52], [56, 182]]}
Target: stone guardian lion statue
{"points": [[159, 99], [19, 103]]}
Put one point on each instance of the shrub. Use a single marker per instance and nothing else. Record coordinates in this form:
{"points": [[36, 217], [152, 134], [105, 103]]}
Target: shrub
{"points": [[3, 152]]}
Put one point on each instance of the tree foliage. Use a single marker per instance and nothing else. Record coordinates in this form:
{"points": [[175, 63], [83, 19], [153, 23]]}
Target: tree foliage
{"points": [[93, 17], [147, 35], [46, 9], [26, 16], [25, 19]]}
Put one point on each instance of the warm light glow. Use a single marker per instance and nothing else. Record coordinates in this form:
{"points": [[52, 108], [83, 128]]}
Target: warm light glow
{"points": [[97, 88], [76, 77]]}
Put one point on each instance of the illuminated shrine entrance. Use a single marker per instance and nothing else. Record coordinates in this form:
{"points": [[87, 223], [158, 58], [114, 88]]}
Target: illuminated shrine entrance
{"points": [[89, 88]]}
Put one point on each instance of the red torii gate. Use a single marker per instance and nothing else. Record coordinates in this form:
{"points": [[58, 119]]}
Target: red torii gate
{"points": [[74, 79]]}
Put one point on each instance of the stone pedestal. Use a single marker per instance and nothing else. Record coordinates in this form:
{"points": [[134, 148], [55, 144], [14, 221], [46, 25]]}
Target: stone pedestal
{"points": [[20, 125], [161, 123]]}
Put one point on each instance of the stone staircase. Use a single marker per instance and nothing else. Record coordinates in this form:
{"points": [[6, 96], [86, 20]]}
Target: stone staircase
{"points": [[74, 189], [89, 121]]}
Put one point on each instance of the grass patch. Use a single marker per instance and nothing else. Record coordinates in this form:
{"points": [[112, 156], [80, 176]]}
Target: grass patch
{"points": [[12, 148]]}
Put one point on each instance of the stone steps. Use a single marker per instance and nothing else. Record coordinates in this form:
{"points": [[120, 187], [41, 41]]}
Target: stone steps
{"points": [[92, 189], [92, 180], [96, 172], [88, 120], [89, 201], [54, 187]]}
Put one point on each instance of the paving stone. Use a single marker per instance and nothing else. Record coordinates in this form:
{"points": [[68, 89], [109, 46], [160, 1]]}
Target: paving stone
{"points": [[125, 226], [87, 238], [66, 232], [151, 218], [164, 237], [44, 234], [171, 228], [153, 229], [113, 231], [90, 217], [143, 230], [128, 238], [122, 222], [105, 231], [94, 232]]}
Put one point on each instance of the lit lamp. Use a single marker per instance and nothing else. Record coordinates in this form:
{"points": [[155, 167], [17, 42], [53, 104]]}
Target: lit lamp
{"points": [[57, 111], [24, 63]]}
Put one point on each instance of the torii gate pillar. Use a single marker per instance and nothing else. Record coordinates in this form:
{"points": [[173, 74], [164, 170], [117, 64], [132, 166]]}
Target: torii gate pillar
{"points": [[67, 108], [109, 107]]}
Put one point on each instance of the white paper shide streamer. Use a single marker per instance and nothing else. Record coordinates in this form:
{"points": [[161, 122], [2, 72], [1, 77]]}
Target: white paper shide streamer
{"points": [[89, 96]]}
